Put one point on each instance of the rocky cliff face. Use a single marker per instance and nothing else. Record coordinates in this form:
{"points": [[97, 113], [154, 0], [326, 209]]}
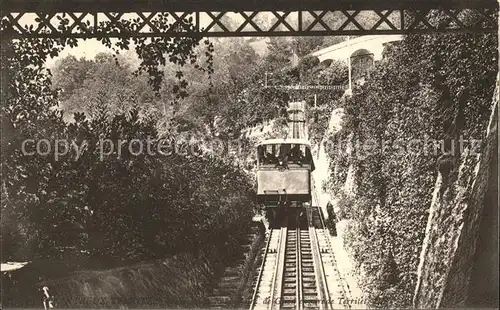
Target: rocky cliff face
{"points": [[459, 258], [322, 160]]}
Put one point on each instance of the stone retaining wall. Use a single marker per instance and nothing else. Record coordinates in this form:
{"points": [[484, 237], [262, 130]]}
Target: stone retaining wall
{"points": [[452, 233]]}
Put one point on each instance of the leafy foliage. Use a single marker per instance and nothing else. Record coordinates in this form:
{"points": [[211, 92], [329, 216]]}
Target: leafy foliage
{"points": [[120, 207], [334, 75], [86, 85], [154, 53], [424, 85]]}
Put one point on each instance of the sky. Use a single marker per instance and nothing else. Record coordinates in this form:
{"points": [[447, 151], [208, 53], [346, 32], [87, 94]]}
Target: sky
{"points": [[86, 49]]}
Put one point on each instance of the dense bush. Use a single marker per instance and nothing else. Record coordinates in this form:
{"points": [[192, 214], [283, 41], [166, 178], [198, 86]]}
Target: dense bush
{"points": [[326, 100], [437, 87], [126, 207], [114, 209]]}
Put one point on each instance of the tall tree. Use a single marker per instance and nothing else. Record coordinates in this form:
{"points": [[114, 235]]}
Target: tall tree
{"points": [[87, 84], [279, 53], [305, 45]]}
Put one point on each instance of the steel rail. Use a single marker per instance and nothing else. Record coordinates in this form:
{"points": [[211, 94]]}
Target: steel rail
{"points": [[299, 296], [321, 270], [345, 285], [280, 260], [261, 272]]}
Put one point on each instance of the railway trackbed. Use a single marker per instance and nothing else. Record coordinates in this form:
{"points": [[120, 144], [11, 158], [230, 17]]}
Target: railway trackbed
{"points": [[298, 269]]}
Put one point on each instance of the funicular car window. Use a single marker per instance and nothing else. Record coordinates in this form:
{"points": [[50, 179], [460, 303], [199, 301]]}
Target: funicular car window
{"points": [[260, 154], [290, 153], [267, 154], [304, 153], [297, 154], [284, 150]]}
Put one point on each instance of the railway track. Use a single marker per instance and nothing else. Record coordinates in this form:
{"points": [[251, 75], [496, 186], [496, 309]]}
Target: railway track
{"points": [[299, 289], [265, 280], [298, 270], [338, 293], [296, 118]]}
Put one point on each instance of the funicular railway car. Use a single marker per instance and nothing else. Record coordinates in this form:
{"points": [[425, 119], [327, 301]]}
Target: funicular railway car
{"points": [[284, 169]]}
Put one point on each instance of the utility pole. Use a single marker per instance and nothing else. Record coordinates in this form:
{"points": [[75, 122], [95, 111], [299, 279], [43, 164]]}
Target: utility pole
{"points": [[350, 73], [349, 68]]}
